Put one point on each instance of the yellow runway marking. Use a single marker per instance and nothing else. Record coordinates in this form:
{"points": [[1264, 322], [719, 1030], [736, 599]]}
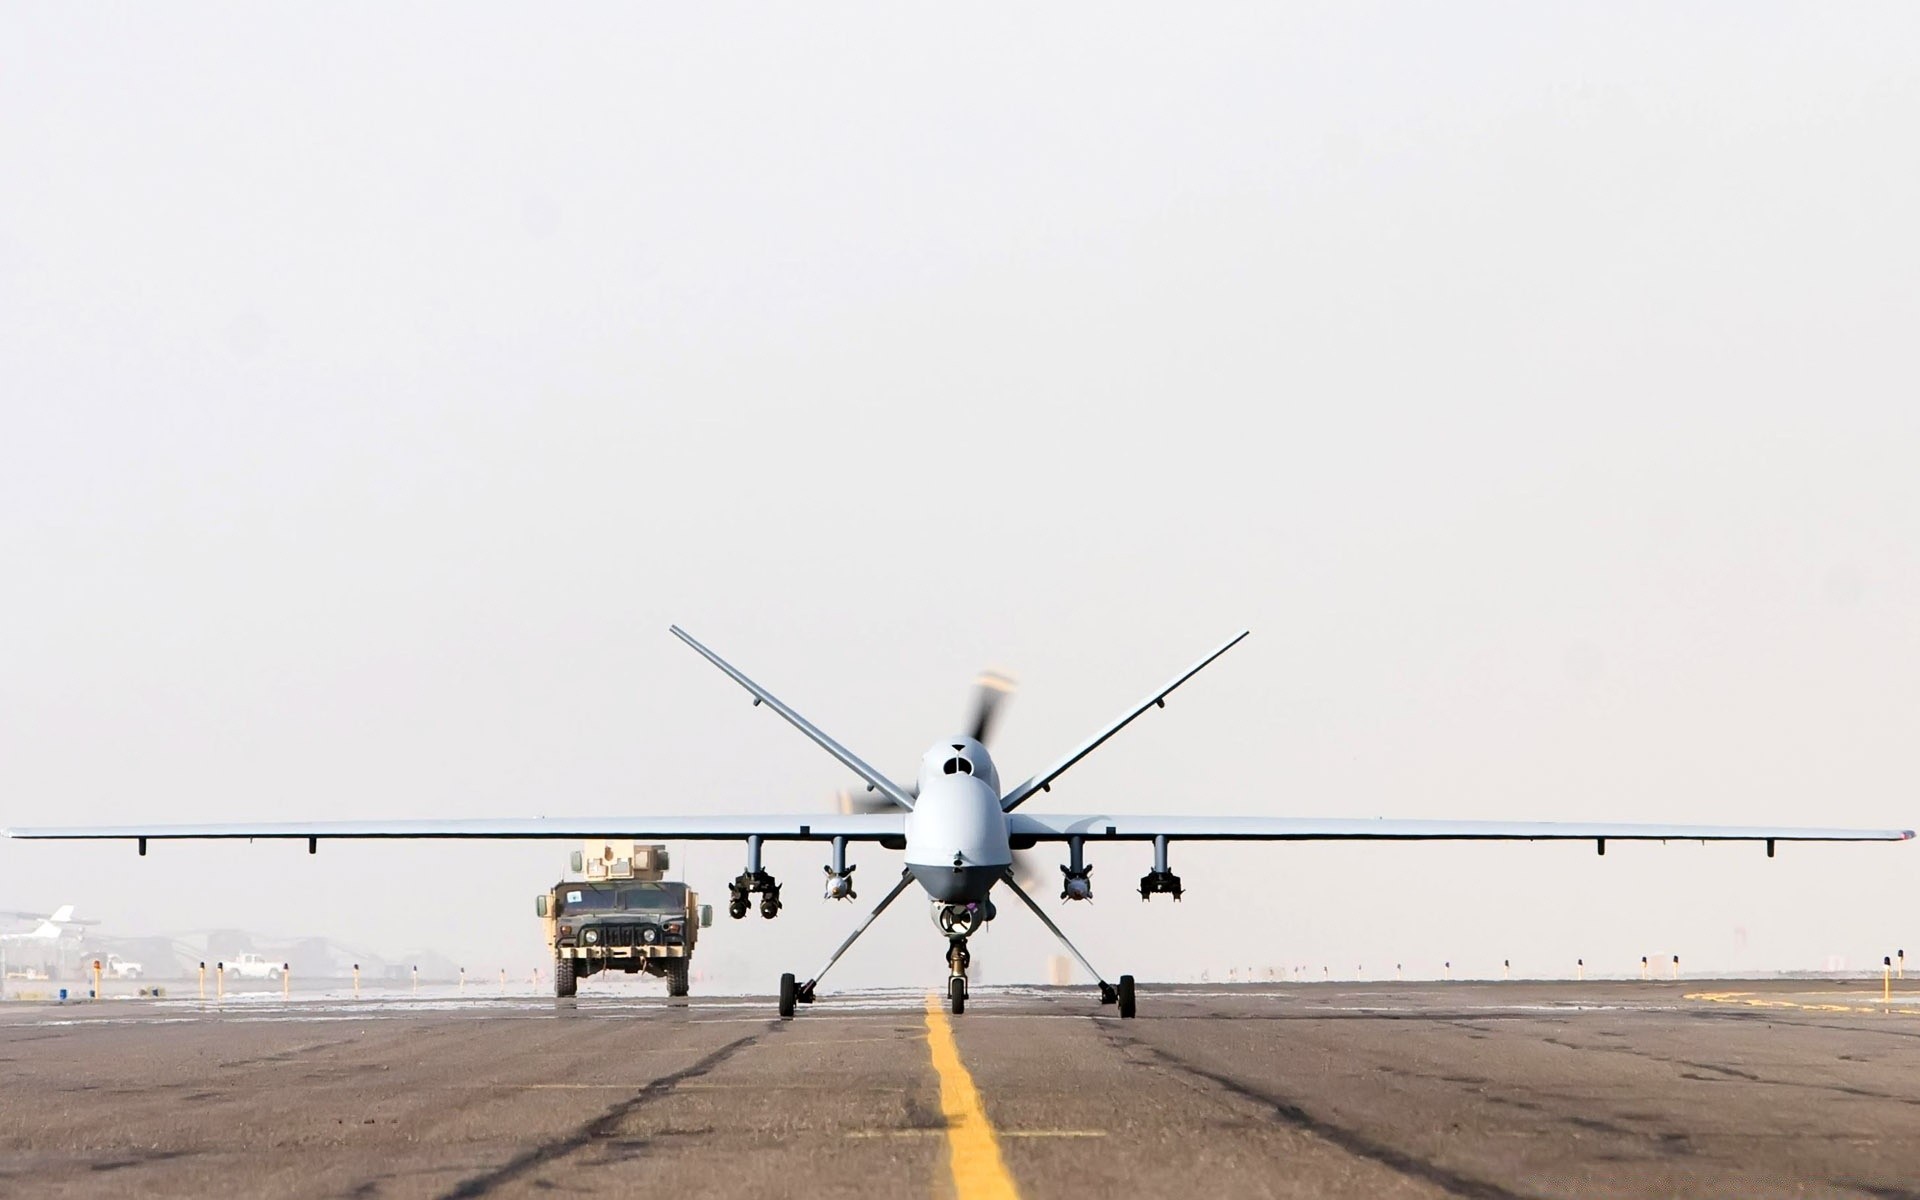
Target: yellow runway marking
{"points": [[1005, 1133], [1903, 1004], [972, 1149]]}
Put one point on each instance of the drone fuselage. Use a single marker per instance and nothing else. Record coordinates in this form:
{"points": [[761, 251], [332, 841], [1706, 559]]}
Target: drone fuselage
{"points": [[957, 843]]}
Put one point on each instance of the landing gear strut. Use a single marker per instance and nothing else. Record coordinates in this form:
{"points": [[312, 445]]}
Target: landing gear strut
{"points": [[958, 959], [793, 992], [750, 881], [1120, 994]]}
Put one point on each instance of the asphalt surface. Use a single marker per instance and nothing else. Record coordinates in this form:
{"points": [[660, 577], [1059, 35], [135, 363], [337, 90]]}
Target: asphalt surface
{"points": [[1375, 1090]]}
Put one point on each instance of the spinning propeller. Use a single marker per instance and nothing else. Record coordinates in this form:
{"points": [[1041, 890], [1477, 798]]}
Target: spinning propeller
{"points": [[990, 692]]}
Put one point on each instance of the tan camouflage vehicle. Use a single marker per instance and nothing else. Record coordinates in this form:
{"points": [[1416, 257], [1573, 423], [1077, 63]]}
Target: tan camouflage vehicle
{"points": [[621, 914]]}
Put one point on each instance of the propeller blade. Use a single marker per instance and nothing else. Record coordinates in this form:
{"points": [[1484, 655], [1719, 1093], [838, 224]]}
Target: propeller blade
{"points": [[990, 691], [1028, 871], [851, 803]]}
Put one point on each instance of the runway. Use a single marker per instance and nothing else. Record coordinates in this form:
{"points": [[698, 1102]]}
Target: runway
{"points": [[1374, 1090]]}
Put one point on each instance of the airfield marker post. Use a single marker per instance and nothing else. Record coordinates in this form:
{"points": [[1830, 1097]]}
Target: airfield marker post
{"points": [[356, 981], [463, 981], [96, 979], [1506, 968], [1886, 979], [416, 980], [1901, 965], [203, 979], [1449, 970], [220, 980], [286, 981], [1580, 968], [1676, 966], [1643, 968]]}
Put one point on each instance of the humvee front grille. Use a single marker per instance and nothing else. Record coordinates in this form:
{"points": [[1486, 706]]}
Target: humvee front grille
{"points": [[631, 935]]}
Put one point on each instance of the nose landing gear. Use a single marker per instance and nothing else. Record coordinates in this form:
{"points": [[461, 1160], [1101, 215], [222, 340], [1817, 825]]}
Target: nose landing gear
{"points": [[958, 959]]}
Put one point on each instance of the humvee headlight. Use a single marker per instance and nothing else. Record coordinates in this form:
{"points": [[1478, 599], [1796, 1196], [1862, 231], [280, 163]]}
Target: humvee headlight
{"points": [[649, 935], [590, 937]]}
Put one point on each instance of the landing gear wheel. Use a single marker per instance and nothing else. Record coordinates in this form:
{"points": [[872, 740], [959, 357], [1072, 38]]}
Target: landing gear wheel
{"points": [[957, 994], [677, 977], [1126, 995], [787, 990], [564, 983]]}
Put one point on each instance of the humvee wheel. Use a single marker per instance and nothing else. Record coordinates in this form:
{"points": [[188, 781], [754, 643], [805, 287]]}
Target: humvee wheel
{"points": [[677, 977], [787, 990], [564, 983], [1126, 995]]}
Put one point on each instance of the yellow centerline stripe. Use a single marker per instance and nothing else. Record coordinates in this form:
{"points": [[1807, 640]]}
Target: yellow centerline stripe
{"points": [[972, 1150], [1904, 1008]]}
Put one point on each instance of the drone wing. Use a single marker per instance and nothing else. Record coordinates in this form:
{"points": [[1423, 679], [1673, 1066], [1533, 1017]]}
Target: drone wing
{"points": [[803, 827], [1029, 827], [848, 758], [1020, 793]]}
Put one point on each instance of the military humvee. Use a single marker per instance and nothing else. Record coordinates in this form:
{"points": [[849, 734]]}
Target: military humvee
{"points": [[621, 915]]}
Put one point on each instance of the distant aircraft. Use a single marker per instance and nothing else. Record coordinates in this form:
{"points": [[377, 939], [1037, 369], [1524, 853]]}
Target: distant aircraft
{"points": [[50, 927], [959, 830]]}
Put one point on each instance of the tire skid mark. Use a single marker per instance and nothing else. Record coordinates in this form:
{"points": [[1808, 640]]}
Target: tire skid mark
{"points": [[604, 1126], [1716, 1073], [1350, 1140]]}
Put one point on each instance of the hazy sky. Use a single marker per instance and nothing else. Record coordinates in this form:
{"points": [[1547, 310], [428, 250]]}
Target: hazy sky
{"points": [[1536, 382]]}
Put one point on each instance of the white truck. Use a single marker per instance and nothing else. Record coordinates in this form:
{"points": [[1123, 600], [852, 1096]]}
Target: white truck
{"points": [[252, 966], [120, 968]]}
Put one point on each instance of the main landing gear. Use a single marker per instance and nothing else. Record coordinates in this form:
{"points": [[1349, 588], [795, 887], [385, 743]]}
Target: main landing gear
{"points": [[793, 992], [959, 922], [1120, 993], [754, 880]]}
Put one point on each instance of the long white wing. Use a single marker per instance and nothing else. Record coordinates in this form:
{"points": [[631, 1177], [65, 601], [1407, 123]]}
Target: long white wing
{"points": [[1022, 791], [802, 827], [761, 695], [1059, 827]]}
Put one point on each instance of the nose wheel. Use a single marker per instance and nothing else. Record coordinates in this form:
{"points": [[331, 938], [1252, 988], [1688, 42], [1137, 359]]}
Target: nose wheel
{"points": [[958, 960]]}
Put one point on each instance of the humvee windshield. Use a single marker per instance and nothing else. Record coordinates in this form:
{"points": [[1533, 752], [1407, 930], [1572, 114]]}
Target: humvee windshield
{"points": [[654, 897], [586, 899]]}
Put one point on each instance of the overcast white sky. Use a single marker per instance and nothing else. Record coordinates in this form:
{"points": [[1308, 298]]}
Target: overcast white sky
{"points": [[1537, 383]]}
